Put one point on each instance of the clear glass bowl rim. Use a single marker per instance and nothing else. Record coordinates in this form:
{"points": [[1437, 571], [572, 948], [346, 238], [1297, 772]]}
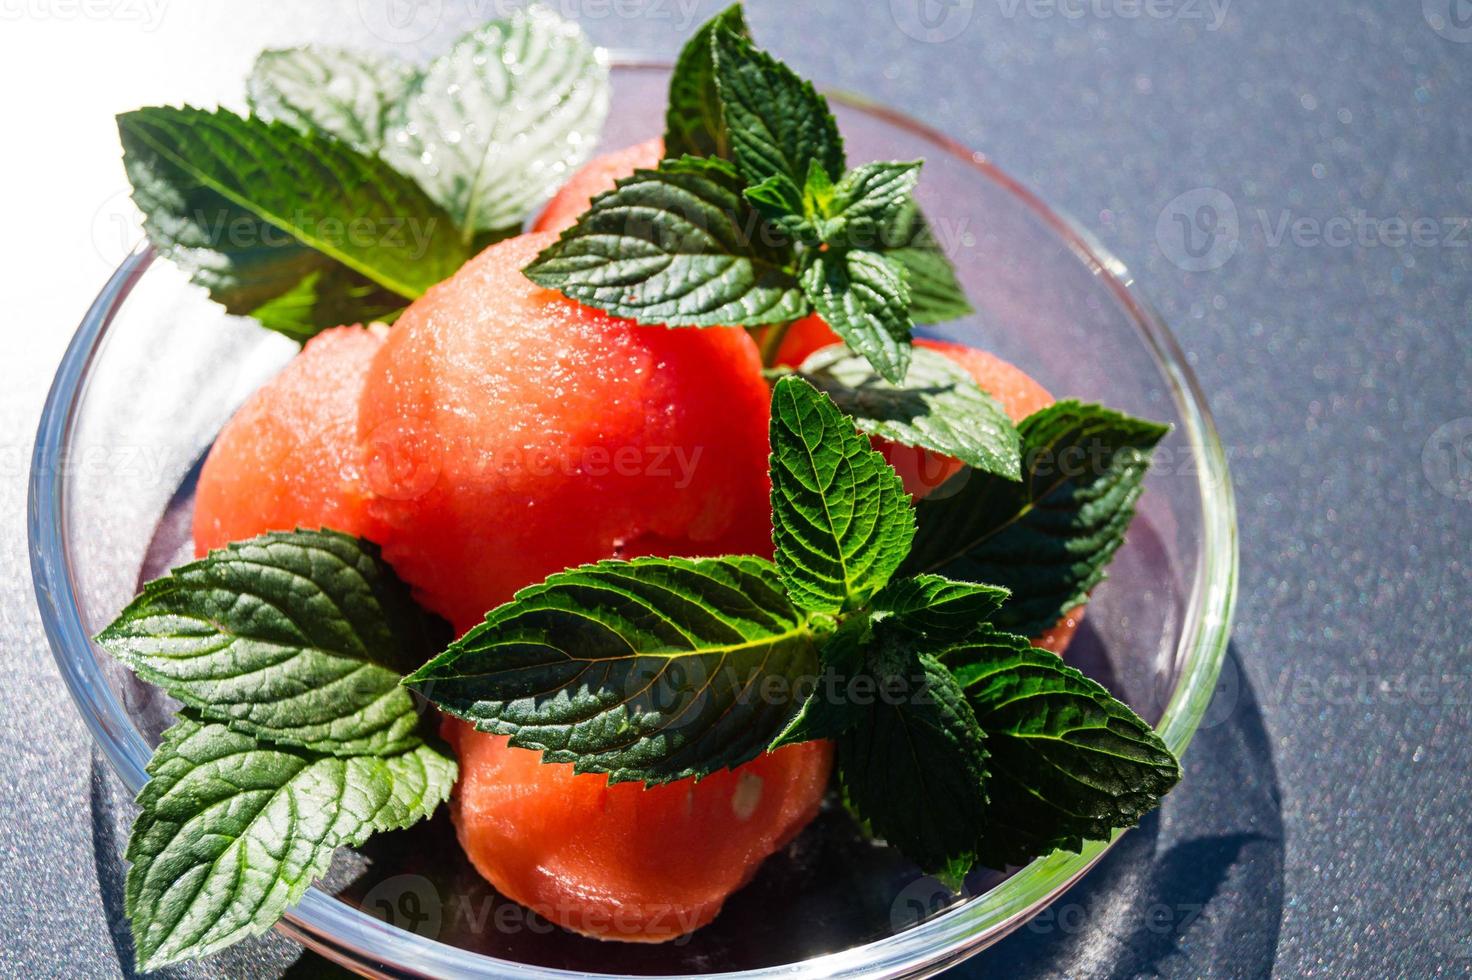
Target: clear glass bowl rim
{"points": [[369, 945]]}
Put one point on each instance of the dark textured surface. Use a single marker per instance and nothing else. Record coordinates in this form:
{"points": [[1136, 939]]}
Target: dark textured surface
{"points": [[1322, 828]]}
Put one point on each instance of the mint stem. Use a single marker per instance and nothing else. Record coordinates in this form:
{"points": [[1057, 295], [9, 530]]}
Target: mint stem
{"points": [[771, 342]]}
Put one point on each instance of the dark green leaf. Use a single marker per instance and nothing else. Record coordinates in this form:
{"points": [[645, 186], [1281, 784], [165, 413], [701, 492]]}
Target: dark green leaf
{"points": [[841, 519], [253, 210], [935, 291], [337, 91], [1069, 763], [493, 127], [299, 638], [677, 246], [653, 669], [867, 200], [777, 198], [938, 407], [776, 122], [862, 295], [831, 708], [915, 770], [231, 832], [940, 610], [330, 295], [1048, 537], [694, 123]]}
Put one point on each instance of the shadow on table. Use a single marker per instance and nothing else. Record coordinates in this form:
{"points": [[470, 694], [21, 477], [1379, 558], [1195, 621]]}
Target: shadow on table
{"points": [[1195, 891]]}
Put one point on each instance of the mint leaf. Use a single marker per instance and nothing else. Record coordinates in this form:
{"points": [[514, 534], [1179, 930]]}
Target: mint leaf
{"points": [[938, 407], [1047, 538], [298, 638], [1069, 763], [496, 125], [833, 706], [939, 610], [254, 209], [817, 190], [648, 670], [231, 831], [867, 200], [694, 123], [935, 291], [343, 93], [863, 296], [780, 201], [677, 246], [777, 123], [915, 769], [840, 516], [322, 298]]}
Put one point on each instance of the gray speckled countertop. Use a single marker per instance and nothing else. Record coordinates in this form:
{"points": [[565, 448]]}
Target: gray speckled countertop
{"points": [[1323, 825]]}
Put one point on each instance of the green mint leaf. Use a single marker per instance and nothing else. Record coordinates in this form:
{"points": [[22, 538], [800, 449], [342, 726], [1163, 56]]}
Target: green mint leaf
{"points": [[841, 518], [1047, 538], [915, 769], [866, 201], [325, 297], [817, 190], [777, 123], [252, 209], [778, 199], [694, 123], [935, 291], [1068, 763], [677, 246], [863, 296], [231, 832], [343, 93], [939, 610], [496, 125], [299, 638], [833, 706], [652, 669], [937, 407]]}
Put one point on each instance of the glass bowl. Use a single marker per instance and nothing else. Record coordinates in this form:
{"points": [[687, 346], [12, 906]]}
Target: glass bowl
{"points": [[155, 369]]}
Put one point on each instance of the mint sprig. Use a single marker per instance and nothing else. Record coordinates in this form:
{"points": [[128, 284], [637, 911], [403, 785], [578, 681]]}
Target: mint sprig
{"points": [[841, 242], [296, 737], [659, 669], [1049, 536], [255, 211], [674, 245], [361, 180]]}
